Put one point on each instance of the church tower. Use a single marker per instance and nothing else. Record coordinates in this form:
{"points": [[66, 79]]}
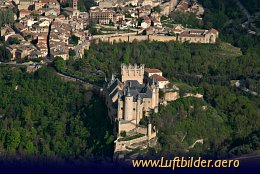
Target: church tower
{"points": [[75, 4]]}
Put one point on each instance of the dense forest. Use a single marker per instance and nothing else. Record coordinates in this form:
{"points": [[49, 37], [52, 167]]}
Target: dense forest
{"points": [[226, 17], [42, 116]]}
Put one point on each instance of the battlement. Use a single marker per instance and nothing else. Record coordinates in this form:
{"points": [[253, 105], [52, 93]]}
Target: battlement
{"points": [[135, 66], [132, 72]]}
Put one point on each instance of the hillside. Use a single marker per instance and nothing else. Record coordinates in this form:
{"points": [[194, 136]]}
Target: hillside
{"points": [[231, 115], [44, 117]]}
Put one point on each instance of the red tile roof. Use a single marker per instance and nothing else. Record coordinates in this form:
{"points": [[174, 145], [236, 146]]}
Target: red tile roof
{"points": [[25, 11], [158, 78], [152, 70]]}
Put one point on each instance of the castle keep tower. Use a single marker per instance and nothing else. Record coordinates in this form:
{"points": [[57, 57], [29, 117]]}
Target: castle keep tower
{"points": [[132, 72]]}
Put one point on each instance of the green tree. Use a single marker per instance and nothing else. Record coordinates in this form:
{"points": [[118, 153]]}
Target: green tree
{"points": [[59, 63], [72, 53], [126, 56], [73, 40], [6, 16], [14, 41], [29, 148], [12, 140]]}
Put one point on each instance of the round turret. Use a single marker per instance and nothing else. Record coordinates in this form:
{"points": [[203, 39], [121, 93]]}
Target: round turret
{"points": [[128, 105]]}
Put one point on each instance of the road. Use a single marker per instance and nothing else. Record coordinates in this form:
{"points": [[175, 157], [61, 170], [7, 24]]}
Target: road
{"points": [[249, 17], [62, 75], [238, 85], [79, 46], [18, 64], [87, 85], [248, 157], [249, 162]]}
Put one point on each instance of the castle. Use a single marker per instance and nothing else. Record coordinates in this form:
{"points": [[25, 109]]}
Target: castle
{"points": [[130, 100]]}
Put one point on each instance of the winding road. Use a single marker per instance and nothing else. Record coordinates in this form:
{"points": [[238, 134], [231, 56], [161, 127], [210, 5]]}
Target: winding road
{"points": [[249, 17]]}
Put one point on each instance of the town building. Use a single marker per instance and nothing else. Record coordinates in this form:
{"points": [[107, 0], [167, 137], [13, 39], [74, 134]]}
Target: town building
{"points": [[101, 16], [155, 75], [199, 36], [46, 4], [23, 13]]}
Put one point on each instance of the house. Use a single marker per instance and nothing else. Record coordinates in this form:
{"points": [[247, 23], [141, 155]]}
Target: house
{"points": [[155, 76], [71, 12], [62, 54], [20, 28], [46, 4], [157, 23], [53, 12], [43, 49], [25, 4], [44, 23], [23, 13], [119, 17], [177, 29], [5, 4], [30, 22], [160, 80], [148, 72], [198, 36], [22, 50], [145, 24], [101, 16], [105, 4], [37, 29], [7, 31]]}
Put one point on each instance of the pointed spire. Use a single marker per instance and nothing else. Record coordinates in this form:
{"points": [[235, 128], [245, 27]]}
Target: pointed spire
{"points": [[112, 78], [153, 83], [139, 97], [128, 91]]}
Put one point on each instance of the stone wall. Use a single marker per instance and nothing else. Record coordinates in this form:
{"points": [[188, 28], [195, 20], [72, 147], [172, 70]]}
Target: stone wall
{"points": [[121, 145], [131, 38], [197, 95], [171, 96], [127, 126], [162, 38]]}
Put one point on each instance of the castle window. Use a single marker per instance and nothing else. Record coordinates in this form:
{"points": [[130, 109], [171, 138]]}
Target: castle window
{"points": [[149, 102], [121, 108], [134, 109]]}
